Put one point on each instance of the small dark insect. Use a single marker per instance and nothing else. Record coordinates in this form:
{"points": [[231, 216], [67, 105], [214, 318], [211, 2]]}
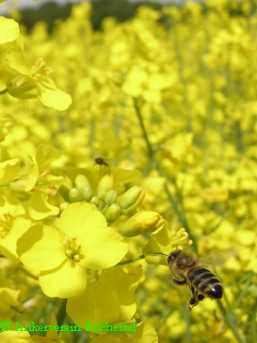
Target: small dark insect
{"points": [[186, 269], [101, 161]]}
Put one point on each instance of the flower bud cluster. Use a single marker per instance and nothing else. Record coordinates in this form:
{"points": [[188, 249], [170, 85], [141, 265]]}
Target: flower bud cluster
{"points": [[104, 196]]}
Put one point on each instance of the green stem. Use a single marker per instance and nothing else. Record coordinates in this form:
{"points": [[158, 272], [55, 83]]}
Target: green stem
{"points": [[181, 217], [251, 330], [143, 129], [131, 261], [25, 271], [4, 91], [151, 154], [16, 309], [140, 258], [61, 314], [230, 322], [228, 317]]}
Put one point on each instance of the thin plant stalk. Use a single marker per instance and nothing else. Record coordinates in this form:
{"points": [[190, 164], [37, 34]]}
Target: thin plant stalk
{"points": [[61, 314], [228, 317], [151, 154]]}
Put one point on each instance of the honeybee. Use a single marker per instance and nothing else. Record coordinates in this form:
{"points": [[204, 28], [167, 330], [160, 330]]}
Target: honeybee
{"points": [[101, 161], [186, 269]]}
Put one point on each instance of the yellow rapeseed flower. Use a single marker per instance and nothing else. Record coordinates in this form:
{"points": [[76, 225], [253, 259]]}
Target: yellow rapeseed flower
{"points": [[78, 240]]}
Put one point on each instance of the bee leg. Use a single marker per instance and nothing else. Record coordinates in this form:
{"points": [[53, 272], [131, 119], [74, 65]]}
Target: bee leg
{"points": [[192, 302], [200, 297], [194, 299], [179, 282]]}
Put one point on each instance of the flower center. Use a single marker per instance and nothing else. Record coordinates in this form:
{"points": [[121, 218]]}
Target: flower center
{"points": [[73, 249]]}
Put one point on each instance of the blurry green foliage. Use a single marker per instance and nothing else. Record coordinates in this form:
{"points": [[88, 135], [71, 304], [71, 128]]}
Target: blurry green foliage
{"points": [[120, 9], [50, 12]]}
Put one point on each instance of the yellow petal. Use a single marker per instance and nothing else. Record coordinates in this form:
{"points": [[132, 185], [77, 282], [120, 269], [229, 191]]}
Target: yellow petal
{"points": [[15, 337], [79, 219], [8, 243], [103, 249], [56, 99], [64, 282], [118, 306], [39, 207], [41, 249], [101, 245], [9, 30]]}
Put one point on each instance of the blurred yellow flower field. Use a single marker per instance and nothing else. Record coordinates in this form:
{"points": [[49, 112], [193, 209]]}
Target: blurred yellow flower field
{"points": [[117, 147]]}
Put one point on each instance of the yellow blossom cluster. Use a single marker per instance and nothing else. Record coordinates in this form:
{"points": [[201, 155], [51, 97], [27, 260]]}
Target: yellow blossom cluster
{"points": [[168, 99]]}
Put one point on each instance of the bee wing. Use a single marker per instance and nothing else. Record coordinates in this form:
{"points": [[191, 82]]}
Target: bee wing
{"points": [[217, 258]]}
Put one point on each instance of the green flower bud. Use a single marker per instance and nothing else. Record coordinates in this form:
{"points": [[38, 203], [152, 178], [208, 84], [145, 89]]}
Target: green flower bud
{"points": [[95, 201], [112, 212], [142, 222], [74, 194], [98, 202], [64, 192], [110, 197], [84, 187], [129, 200], [104, 185]]}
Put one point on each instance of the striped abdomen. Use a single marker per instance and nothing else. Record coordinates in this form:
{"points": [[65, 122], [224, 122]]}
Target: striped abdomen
{"points": [[205, 282]]}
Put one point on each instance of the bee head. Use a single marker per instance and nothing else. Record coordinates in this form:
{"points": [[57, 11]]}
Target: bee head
{"points": [[173, 256], [185, 261]]}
